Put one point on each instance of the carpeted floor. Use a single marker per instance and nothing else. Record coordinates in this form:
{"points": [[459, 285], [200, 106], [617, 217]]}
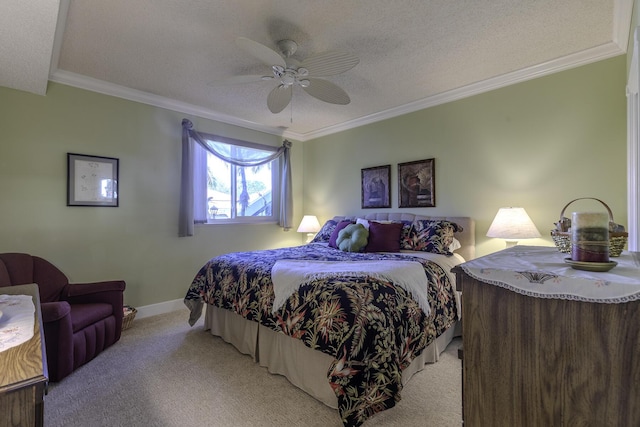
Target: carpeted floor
{"points": [[164, 373]]}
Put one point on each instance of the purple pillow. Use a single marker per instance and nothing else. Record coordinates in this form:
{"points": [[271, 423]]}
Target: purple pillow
{"points": [[384, 237], [334, 235]]}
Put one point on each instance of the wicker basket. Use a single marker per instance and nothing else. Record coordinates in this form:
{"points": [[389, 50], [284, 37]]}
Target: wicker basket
{"points": [[129, 315], [562, 236]]}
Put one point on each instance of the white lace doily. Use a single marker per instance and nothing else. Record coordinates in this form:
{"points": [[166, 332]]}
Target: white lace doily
{"points": [[542, 272], [17, 320]]}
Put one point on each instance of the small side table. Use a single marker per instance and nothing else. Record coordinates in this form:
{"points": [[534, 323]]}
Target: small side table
{"points": [[24, 376]]}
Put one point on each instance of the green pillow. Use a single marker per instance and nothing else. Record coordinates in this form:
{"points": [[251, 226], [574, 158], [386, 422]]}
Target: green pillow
{"points": [[352, 238]]}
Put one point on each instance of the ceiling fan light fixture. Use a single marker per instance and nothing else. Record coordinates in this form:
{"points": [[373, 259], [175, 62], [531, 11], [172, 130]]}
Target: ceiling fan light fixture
{"points": [[288, 78], [290, 72]]}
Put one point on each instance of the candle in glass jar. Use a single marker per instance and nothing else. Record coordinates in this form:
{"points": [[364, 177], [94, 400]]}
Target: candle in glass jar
{"points": [[590, 237]]}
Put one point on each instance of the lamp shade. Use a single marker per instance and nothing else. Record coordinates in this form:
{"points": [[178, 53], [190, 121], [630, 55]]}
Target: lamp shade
{"points": [[309, 224], [512, 224]]}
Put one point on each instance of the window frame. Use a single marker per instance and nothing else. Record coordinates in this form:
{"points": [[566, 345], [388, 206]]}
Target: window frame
{"points": [[276, 166]]}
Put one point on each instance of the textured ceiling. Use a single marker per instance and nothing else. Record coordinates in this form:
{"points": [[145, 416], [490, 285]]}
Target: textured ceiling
{"points": [[413, 53]]}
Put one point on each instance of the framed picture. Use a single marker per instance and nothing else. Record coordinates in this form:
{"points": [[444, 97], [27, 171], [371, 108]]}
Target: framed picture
{"points": [[376, 191], [417, 184], [92, 180]]}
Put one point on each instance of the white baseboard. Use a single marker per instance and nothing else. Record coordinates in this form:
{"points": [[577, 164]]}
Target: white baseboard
{"points": [[160, 308]]}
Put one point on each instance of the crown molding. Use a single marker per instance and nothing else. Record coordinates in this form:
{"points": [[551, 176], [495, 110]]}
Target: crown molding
{"points": [[106, 88], [61, 24], [570, 61], [599, 53], [622, 13]]}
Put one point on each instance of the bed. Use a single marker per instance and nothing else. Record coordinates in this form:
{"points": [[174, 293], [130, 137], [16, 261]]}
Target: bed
{"points": [[349, 337]]}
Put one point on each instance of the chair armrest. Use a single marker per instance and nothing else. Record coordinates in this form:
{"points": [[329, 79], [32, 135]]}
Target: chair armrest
{"points": [[111, 292], [85, 293], [58, 338], [54, 311], [78, 289]]}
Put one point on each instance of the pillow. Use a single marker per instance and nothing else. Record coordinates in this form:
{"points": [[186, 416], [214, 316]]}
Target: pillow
{"points": [[405, 236], [324, 234], [352, 238], [364, 222], [433, 235], [384, 237], [455, 245], [334, 235]]}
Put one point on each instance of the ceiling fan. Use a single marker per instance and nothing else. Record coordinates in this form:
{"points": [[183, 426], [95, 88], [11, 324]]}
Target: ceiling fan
{"points": [[288, 72]]}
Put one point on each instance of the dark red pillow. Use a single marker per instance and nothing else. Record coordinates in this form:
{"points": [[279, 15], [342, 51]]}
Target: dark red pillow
{"points": [[334, 234], [384, 237]]}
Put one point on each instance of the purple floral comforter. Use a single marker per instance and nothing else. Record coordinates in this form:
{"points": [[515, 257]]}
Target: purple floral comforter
{"points": [[372, 328]]}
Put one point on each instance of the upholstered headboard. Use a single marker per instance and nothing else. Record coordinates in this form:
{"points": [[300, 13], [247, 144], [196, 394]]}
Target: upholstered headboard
{"points": [[467, 237]]}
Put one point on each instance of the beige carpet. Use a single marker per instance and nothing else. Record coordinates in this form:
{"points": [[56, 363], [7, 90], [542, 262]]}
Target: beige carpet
{"points": [[164, 373]]}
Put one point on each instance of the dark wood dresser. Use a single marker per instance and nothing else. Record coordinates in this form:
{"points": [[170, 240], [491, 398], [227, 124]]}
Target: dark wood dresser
{"points": [[531, 361], [23, 372]]}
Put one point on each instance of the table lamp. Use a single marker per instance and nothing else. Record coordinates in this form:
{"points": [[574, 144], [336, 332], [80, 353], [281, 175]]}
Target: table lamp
{"points": [[309, 225], [512, 224]]}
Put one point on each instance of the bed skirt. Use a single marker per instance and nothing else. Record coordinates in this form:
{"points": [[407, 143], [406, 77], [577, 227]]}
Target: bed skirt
{"points": [[303, 367]]}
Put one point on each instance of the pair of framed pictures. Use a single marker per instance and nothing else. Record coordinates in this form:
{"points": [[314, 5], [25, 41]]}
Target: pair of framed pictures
{"points": [[416, 185]]}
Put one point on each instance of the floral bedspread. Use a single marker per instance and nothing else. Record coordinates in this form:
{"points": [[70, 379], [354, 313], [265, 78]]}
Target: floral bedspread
{"points": [[373, 328]]}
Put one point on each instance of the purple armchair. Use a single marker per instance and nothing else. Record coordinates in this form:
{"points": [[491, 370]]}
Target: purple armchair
{"points": [[79, 320]]}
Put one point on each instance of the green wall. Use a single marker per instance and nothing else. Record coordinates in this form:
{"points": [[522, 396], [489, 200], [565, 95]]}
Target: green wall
{"points": [[138, 241], [537, 144]]}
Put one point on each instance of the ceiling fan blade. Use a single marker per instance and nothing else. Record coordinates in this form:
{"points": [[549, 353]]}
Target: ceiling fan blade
{"points": [[279, 98], [252, 78], [327, 92], [329, 63], [260, 51]]}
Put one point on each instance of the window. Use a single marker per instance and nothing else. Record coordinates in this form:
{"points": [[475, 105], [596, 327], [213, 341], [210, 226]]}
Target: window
{"points": [[272, 200], [224, 192]]}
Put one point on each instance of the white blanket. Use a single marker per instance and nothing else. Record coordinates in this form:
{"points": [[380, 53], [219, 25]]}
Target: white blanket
{"points": [[289, 275]]}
